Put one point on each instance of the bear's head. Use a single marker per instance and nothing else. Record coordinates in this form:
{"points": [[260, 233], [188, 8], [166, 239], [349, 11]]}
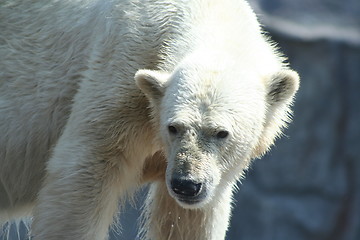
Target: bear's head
{"points": [[213, 120]]}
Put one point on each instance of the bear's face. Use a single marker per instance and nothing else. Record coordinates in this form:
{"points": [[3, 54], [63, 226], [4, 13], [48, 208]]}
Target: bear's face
{"points": [[209, 128], [211, 123]]}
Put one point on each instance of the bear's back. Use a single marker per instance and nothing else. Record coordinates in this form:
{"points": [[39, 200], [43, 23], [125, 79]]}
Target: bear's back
{"points": [[42, 58]]}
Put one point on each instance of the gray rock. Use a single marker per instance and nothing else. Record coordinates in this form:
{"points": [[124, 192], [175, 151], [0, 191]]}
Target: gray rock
{"points": [[308, 186], [312, 20]]}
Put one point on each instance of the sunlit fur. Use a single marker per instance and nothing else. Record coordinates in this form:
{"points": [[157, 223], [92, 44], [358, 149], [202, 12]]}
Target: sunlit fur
{"points": [[78, 134]]}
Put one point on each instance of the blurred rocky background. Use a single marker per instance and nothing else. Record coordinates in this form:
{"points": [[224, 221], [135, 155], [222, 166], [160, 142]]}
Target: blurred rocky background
{"points": [[308, 186]]}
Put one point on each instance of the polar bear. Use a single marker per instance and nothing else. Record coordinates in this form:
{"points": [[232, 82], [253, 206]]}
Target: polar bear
{"points": [[98, 97]]}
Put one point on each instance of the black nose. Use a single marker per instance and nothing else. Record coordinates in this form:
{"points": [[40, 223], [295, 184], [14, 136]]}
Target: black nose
{"points": [[186, 188]]}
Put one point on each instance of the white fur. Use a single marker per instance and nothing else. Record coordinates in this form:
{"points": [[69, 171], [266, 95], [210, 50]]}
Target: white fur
{"points": [[78, 133]]}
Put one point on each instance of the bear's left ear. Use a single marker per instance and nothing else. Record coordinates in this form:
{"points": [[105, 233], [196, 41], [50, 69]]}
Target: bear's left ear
{"points": [[280, 91], [282, 86], [152, 83]]}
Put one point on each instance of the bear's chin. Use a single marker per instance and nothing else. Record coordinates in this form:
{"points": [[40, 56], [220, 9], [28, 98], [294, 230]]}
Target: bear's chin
{"points": [[191, 204]]}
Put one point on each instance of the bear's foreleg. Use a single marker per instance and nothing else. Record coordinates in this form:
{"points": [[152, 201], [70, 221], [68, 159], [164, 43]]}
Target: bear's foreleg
{"points": [[164, 218], [84, 183], [78, 200]]}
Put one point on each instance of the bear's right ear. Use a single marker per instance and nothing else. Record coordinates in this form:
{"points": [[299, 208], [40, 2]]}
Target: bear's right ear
{"points": [[152, 83]]}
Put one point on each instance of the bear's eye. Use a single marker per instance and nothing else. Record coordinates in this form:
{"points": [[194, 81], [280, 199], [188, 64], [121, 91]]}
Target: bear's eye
{"points": [[172, 129], [222, 134]]}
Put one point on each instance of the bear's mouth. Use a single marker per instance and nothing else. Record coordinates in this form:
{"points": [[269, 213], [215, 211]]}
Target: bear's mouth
{"points": [[190, 201]]}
